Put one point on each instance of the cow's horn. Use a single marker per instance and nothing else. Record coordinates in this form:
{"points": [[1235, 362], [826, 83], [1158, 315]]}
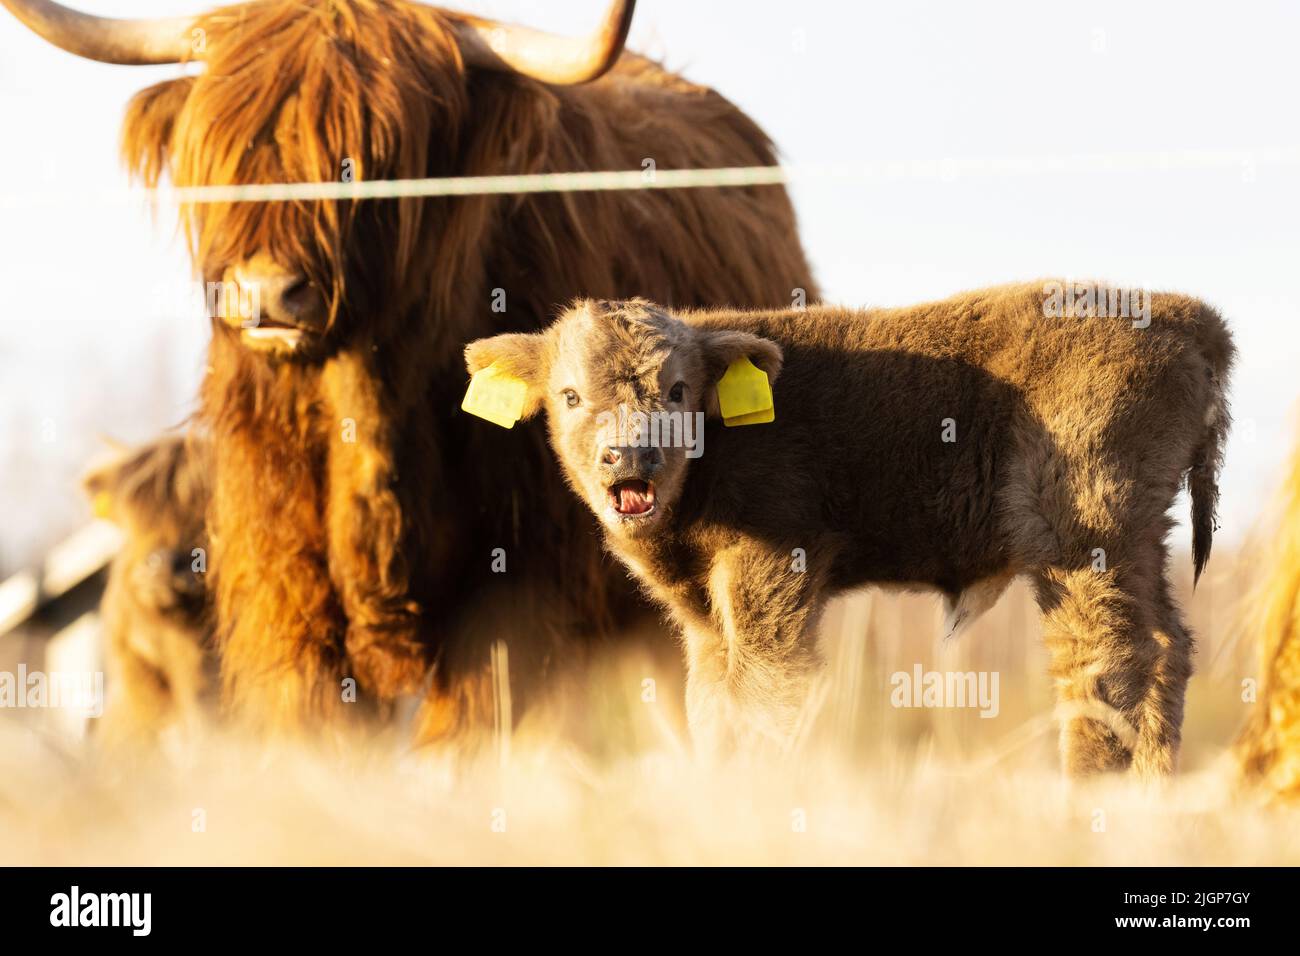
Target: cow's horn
{"points": [[128, 42], [543, 56]]}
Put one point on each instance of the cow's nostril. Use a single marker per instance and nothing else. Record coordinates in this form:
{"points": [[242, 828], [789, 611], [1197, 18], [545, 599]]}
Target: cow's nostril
{"points": [[294, 300], [296, 290]]}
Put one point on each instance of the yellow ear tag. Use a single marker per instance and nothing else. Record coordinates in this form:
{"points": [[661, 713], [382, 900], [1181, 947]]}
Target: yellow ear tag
{"points": [[102, 504], [496, 395], [744, 395]]}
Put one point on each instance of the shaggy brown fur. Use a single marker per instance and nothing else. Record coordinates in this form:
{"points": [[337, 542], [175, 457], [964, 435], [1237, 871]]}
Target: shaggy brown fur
{"points": [[156, 613], [1269, 747], [1072, 436], [355, 512]]}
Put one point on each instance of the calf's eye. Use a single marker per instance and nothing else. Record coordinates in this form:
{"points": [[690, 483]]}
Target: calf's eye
{"points": [[571, 398], [675, 393]]}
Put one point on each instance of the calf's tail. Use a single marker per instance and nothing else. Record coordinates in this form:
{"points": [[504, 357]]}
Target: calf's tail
{"points": [[1203, 474]]}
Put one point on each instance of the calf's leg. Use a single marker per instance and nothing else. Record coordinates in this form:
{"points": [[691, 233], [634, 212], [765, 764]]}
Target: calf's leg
{"points": [[1161, 718], [1120, 658], [752, 661]]}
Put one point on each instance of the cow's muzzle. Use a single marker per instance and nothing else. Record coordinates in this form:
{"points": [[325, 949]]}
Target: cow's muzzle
{"points": [[273, 308]]}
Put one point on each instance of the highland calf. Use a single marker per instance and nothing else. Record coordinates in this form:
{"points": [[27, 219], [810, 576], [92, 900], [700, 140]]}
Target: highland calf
{"points": [[156, 609], [953, 445]]}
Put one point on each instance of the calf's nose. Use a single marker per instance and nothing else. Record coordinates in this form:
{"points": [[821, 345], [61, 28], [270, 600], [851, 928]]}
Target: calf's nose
{"points": [[631, 461]]}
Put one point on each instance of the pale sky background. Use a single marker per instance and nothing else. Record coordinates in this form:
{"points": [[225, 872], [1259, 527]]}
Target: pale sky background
{"points": [[88, 345]]}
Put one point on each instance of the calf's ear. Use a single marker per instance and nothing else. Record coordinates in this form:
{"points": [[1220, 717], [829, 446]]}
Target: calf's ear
{"points": [[721, 347], [100, 486], [517, 354]]}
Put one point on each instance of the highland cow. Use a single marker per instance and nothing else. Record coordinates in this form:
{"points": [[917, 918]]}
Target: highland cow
{"points": [[361, 528], [951, 446], [156, 612], [1268, 749]]}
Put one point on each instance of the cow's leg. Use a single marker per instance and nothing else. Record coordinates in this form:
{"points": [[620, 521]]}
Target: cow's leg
{"points": [[752, 661], [462, 716], [506, 640], [282, 676], [1098, 627], [289, 683], [282, 669], [366, 526], [279, 626]]}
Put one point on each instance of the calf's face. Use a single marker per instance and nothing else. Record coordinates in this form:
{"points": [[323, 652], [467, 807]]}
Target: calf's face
{"points": [[626, 388], [158, 495]]}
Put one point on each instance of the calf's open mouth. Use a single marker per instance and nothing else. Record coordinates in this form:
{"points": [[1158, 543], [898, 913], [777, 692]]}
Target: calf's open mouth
{"points": [[634, 498]]}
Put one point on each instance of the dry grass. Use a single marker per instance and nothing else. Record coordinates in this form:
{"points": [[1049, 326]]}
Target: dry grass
{"points": [[609, 780], [656, 809]]}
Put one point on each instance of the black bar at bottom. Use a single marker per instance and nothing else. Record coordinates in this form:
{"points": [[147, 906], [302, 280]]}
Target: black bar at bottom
{"points": [[551, 906]]}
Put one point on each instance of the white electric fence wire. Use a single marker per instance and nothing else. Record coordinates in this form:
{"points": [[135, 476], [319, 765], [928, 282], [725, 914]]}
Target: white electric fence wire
{"points": [[1248, 162]]}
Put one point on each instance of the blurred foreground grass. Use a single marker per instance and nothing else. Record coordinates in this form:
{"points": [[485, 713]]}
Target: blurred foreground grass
{"points": [[605, 775]]}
